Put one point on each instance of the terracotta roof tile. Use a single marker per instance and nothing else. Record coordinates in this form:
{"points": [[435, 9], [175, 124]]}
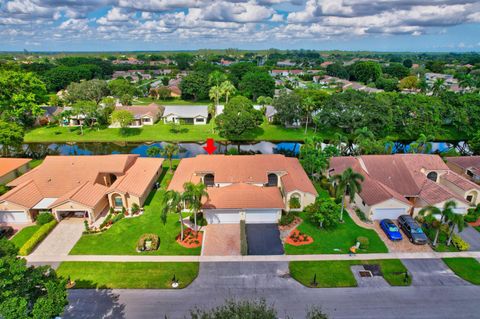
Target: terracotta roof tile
{"points": [[9, 164], [243, 196], [459, 181], [465, 161]]}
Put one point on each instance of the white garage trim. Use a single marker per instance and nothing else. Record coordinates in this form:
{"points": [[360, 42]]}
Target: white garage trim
{"points": [[222, 216], [7, 216], [391, 213], [262, 216]]}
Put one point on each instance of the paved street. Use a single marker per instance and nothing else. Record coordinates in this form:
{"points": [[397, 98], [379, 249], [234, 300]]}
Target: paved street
{"points": [[472, 237], [219, 281], [431, 272]]}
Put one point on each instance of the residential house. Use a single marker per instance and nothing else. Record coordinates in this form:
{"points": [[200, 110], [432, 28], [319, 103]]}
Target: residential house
{"points": [[80, 186], [175, 91], [130, 61], [11, 168], [254, 188], [142, 114], [186, 114], [279, 72], [405, 183], [50, 114], [467, 166], [326, 63]]}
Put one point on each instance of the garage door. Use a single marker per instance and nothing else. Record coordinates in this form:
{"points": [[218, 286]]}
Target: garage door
{"points": [[13, 217], [261, 216], [391, 213], [222, 216]]}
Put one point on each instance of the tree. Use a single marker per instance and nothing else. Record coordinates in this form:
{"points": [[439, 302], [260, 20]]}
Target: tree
{"points": [[54, 100], [11, 135], [183, 60], [324, 212], [431, 213], [474, 144], [467, 82], [227, 89], [93, 90], [195, 86], [123, 117], [194, 193], [455, 220], [308, 106], [422, 145], [407, 63], [347, 182], [238, 118], [257, 83], [216, 78], [164, 93], [264, 100], [120, 87], [20, 96], [289, 108], [338, 70], [367, 71], [126, 99], [396, 70], [387, 84], [173, 203], [408, 83], [169, 151], [438, 86], [215, 94], [86, 112]]}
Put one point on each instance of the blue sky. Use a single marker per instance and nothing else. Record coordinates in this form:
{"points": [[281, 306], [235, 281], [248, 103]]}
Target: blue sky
{"points": [[112, 25]]}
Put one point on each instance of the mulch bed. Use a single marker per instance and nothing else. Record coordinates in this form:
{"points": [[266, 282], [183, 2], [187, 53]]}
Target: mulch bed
{"points": [[189, 240], [292, 225], [475, 224], [296, 238]]}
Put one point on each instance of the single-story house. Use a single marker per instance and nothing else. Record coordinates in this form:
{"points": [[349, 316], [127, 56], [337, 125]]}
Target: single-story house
{"points": [[467, 166], [405, 183], [143, 114], [49, 115], [11, 168], [81, 186], [186, 114], [254, 188]]}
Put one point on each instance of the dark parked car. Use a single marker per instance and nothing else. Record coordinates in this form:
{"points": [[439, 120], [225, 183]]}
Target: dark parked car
{"points": [[392, 231], [413, 231], [6, 231]]}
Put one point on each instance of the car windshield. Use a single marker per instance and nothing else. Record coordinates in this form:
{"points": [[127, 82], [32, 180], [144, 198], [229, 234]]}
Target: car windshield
{"points": [[417, 231], [393, 228]]}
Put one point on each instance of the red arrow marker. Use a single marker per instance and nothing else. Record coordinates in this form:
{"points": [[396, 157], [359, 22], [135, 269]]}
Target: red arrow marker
{"points": [[210, 148]]}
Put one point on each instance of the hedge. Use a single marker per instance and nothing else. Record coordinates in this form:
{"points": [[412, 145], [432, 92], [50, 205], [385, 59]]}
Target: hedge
{"points": [[458, 242], [37, 238], [243, 239], [153, 238]]}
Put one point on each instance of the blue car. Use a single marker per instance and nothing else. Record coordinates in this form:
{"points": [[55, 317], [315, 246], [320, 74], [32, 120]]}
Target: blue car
{"points": [[392, 231]]}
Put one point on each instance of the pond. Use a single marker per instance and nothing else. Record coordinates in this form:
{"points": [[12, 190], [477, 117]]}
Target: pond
{"points": [[40, 150]]}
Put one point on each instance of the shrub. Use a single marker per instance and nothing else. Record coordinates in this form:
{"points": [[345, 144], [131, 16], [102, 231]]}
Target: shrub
{"points": [[243, 239], [87, 228], [105, 221], [460, 243], [361, 215], [364, 242], [117, 218], [148, 237], [111, 211], [324, 212], [201, 221], [135, 208], [3, 189], [294, 203], [287, 218], [44, 218], [37, 238], [470, 218]]}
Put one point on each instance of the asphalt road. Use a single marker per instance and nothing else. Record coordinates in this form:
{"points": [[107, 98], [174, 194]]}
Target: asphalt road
{"points": [[220, 281]]}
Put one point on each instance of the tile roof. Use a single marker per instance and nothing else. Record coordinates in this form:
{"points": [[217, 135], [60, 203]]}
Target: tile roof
{"points": [[251, 197], [465, 161], [186, 110], [26, 194], [10, 164], [140, 111], [459, 181]]}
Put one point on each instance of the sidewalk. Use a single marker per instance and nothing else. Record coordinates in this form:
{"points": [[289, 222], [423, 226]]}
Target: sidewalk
{"points": [[284, 258]]}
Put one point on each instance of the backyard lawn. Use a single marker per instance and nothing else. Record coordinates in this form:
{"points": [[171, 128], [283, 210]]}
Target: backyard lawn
{"points": [[335, 241], [23, 235], [338, 274], [466, 268], [128, 275]]}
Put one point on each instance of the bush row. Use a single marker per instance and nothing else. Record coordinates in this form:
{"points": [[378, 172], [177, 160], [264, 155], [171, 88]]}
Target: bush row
{"points": [[243, 239], [37, 238]]}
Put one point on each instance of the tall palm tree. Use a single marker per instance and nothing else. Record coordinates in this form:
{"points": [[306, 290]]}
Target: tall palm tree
{"points": [[456, 220], [193, 195], [308, 106], [169, 151], [431, 212], [438, 86], [362, 134], [227, 89], [212, 110], [173, 203], [349, 181], [421, 145], [215, 94], [216, 77]]}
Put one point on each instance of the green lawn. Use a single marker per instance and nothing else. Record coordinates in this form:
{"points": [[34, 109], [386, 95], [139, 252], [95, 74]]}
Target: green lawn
{"points": [[335, 241], [338, 274], [128, 275], [34, 163], [23, 235], [466, 268], [161, 132]]}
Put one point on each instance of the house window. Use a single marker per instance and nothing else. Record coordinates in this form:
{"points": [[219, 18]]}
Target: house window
{"points": [[118, 201], [432, 176], [272, 180], [363, 203], [469, 173], [209, 180], [200, 120], [469, 198], [146, 120]]}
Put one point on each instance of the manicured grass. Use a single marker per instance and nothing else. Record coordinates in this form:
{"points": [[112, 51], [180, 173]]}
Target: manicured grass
{"points": [[128, 275], [466, 268], [34, 163], [335, 241], [161, 132], [23, 235], [338, 274]]}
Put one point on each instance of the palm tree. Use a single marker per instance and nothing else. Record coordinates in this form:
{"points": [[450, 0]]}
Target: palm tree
{"points": [[431, 212], [308, 106], [212, 110], [227, 89], [438, 86], [362, 134], [215, 94], [216, 77], [456, 220], [173, 203], [194, 194], [466, 82], [169, 151], [153, 151], [349, 181], [421, 145], [264, 100]]}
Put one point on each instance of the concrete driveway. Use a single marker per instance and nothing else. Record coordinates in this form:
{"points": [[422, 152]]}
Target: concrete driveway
{"points": [[471, 236], [401, 246], [264, 239], [221, 240], [432, 272], [62, 239]]}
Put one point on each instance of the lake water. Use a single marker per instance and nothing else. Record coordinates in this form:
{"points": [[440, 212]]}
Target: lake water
{"points": [[39, 150]]}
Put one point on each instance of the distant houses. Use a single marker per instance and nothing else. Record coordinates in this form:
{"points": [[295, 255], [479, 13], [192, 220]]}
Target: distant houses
{"points": [[143, 114]]}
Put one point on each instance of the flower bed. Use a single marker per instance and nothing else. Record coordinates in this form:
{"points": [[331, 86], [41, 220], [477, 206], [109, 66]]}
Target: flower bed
{"points": [[296, 221], [189, 240], [148, 242], [296, 238]]}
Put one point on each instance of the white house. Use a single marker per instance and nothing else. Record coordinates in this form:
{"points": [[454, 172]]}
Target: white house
{"points": [[186, 114]]}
